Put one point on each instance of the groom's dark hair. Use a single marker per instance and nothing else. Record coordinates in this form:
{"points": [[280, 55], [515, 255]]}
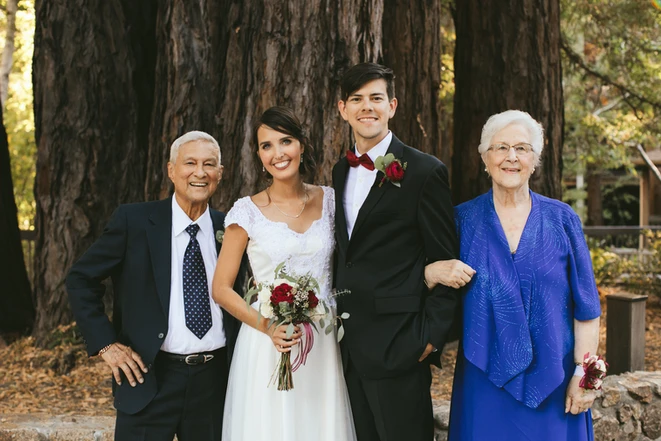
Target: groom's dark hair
{"points": [[360, 74]]}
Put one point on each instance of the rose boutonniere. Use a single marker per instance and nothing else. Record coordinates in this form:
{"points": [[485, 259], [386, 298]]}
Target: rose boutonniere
{"points": [[392, 169], [220, 234]]}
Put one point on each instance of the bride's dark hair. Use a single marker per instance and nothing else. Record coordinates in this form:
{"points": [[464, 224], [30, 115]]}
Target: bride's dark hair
{"points": [[285, 121]]}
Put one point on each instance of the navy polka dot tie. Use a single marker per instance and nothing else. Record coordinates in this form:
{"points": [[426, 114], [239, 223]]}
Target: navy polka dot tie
{"points": [[196, 289]]}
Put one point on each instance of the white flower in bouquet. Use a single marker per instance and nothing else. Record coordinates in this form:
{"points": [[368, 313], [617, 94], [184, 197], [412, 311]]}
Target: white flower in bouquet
{"points": [[264, 299]]}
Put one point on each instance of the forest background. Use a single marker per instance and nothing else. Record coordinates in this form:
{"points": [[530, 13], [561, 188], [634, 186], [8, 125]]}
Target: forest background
{"points": [[93, 93]]}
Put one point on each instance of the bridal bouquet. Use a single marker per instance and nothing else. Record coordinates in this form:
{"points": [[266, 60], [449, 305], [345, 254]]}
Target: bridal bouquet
{"points": [[294, 300]]}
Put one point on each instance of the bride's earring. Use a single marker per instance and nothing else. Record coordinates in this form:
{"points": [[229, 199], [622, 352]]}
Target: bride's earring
{"points": [[263, 169]]}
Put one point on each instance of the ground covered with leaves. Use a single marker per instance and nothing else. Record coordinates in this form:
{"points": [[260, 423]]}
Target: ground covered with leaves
{"points": [[60, 379]]}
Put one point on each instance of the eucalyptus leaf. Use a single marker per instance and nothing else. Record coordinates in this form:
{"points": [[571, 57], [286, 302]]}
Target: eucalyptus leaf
{"points": [[290, 330], [278, 269], [322, 323], [345, 315], [340, 333], [396, 184], [329, 329], [388, 159], [378, 163]]}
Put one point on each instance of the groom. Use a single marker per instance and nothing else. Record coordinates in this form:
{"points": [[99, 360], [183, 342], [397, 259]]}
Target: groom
{"points": [[392, 217]]}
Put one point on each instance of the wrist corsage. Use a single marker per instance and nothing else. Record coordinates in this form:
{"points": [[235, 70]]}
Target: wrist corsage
{"points": [[594, 371], [392, 169]]}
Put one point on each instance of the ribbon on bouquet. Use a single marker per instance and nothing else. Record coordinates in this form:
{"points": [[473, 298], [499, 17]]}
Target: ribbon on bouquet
{"points": [[307, 341]]}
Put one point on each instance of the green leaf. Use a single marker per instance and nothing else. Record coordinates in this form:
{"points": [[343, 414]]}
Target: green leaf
{"points": [[329, 329], [388, 159], [345, 315], [322, 323], [378, 163], [340, 333], [278, 269], [290, 330]]}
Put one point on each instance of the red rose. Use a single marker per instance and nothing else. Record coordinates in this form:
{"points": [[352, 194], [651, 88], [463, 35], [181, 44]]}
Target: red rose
{"points": [[394, 171], [282, 293], [313, 301]]}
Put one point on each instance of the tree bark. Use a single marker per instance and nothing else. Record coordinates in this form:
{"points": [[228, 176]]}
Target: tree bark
{"points": [[88, 109], [507, 57], [412, 48], [8, 51], [16, 309], [221, 64]]}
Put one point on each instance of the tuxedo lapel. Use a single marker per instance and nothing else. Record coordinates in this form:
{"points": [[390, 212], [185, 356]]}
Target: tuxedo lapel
{"points": [[376, 192], [159, 236], [340, 217]]}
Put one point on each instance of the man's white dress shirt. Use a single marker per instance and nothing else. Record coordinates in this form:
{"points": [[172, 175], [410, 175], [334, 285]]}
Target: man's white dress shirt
{"points": [[180, 339], [360, 181]]}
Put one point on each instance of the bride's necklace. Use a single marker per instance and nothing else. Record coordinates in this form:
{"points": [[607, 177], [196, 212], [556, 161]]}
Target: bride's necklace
{"points": [[305, 202]]}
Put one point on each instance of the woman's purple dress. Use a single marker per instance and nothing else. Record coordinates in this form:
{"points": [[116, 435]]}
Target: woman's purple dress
{"points": [[516, 354]]}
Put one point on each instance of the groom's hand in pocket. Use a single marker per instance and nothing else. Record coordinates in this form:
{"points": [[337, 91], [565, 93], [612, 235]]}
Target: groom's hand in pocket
{"points": [[428, 350], [121, 357]]}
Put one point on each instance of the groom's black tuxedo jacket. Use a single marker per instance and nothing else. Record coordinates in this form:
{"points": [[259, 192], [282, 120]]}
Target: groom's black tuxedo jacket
{"points": [[135, 252], [397, 232]]}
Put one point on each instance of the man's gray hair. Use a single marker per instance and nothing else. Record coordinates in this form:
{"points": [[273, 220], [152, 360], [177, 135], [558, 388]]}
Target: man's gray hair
{"points": [[499, 121], [195, 135]]}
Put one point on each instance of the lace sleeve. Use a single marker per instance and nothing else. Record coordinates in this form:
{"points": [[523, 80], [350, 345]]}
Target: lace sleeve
{"points": [[241, 214], [329, 203]]}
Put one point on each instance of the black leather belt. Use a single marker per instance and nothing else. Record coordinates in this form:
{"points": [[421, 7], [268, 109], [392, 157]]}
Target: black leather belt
{"points": [[193, 359]]}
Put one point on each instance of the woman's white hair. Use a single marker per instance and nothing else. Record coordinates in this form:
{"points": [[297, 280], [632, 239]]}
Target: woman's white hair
{"points": [[499, 121], [195, 135]]}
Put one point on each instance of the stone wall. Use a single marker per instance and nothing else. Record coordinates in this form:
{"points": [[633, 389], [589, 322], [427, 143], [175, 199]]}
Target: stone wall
{"points": [[628, 409]]}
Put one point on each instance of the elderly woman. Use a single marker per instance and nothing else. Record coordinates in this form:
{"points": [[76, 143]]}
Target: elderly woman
{"points": [[531, 308]]}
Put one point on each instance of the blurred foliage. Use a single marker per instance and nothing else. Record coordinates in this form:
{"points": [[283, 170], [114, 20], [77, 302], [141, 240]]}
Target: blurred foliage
{"points": [[18, 115], [611, 75], [639, 272]]}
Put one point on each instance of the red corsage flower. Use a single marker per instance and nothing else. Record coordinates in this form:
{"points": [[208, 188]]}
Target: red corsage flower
{"points": [[392, 169], [595, 369]]}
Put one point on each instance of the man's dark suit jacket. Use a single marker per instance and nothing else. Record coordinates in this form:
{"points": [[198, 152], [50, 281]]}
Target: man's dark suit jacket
{"points": [[135, 252], [397, 232]]}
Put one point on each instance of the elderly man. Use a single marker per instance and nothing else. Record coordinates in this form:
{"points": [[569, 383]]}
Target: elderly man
{"points": [[167, 345]]}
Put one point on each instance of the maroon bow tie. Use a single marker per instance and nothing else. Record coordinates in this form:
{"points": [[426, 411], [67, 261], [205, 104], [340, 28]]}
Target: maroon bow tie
{"points": [[363, 160]]}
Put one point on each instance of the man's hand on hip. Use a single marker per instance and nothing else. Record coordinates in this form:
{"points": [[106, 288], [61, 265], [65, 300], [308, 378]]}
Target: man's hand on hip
{"points": [[123, 357]]}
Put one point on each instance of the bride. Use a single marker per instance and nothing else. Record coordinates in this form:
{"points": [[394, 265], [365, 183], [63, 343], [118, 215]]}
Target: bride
{"points": [[292, 222]]}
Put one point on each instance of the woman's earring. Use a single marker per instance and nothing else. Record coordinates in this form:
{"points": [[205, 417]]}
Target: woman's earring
{"points": [[533, 170], [301, 159], [263, 169]]}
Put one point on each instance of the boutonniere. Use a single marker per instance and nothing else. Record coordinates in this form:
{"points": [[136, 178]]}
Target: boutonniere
{"points": [[392, 169], [220, 234]]}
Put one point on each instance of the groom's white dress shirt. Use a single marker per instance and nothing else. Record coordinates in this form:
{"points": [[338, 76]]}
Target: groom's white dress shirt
{"points": [[360, 181]]}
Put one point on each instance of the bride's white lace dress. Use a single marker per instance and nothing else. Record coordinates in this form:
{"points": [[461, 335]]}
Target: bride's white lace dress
{"points": [[318, 408]]}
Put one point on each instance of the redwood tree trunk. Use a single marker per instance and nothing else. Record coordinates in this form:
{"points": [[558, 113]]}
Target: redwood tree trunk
{"points": [[221, 64], [91, 156], [16, 309], [412, 48], [507, 57]]}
